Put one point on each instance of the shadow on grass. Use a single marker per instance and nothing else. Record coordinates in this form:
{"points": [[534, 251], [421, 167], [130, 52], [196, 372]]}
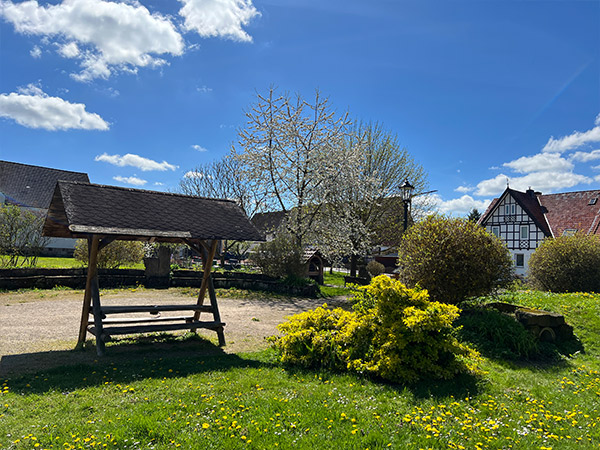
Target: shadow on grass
{"points": [[126, 360], [500, 337], [167, 356]]}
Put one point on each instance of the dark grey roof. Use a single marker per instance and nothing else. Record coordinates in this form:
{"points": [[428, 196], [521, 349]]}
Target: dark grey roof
{"points": [[269, 222], [32, 186], [81, 209]]}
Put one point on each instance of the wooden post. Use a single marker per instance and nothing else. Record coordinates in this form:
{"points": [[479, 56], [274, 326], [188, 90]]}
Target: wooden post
{"points": [[95, 295], [85, 312], [206, 276]]}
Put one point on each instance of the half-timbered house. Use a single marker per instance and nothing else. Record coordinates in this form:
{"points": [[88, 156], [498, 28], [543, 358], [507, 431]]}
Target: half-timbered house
{"points": [[524, 219]]}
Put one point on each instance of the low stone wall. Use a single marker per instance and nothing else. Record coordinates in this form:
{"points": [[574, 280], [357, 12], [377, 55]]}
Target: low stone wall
{"points": [[11, 279]]}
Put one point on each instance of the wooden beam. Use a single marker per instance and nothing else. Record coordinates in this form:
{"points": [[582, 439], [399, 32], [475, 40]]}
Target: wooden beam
{"points": [[95, 295], [85, 312], [91, 274], [208, 261]]}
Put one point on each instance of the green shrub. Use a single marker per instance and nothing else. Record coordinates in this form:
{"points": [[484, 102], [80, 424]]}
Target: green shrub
{"points": [[114, 255], [394, 333], [280, 257], [375, 268], [496, 335], [454, 259], [567, 264]]}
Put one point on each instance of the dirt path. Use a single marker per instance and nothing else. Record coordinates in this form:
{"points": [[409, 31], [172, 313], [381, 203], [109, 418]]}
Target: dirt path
{"points": [[39, 329]]}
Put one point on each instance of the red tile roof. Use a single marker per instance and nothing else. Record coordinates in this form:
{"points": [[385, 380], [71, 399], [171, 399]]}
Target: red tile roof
{"points": [[572, 210]]}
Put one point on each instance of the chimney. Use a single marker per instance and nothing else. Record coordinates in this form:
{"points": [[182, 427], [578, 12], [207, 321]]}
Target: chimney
{"points": [[531, 192]]}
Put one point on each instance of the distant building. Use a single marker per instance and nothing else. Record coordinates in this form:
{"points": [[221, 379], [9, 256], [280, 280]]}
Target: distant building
{"points": [[31, 187], [524, 219]]}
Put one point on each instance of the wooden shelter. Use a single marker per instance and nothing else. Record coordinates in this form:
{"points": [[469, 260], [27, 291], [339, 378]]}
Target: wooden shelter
{"points": [[102, 214], [315, 263]]}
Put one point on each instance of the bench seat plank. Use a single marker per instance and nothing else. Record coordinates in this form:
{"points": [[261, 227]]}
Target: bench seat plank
{"points": [[153, 308], [155, 328]]}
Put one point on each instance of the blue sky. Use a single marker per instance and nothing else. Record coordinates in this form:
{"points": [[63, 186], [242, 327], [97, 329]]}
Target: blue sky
{"points": [[137, 93]]}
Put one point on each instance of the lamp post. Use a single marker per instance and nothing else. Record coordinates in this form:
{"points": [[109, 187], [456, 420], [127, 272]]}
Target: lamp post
{"points": [[407, 190]]}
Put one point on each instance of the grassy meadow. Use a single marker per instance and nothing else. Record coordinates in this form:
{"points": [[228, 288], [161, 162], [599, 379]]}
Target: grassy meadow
{"points": [[153, 398]]}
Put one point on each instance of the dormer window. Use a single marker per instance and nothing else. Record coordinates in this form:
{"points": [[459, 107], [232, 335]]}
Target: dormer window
{"points": [[569, 232], [593, 201]]}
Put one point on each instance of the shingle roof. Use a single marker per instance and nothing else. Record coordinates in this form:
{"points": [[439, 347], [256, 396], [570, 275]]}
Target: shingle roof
{"points": [[573, 210], [81, 209], [32, 186], [269, 222]]}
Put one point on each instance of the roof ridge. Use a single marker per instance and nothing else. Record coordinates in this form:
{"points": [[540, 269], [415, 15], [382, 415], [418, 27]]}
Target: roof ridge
{"points": [[146, 191], [40, 167], [570, 192]]}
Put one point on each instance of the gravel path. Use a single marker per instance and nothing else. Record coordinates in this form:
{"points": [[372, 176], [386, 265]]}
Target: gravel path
{"points": [[39, 329]]}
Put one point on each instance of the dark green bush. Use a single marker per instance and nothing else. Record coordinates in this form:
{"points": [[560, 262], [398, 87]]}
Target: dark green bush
{"points": [[454, 259], [394, 333], [567, 264], [496, 335], [375, 268], [281, 257]]}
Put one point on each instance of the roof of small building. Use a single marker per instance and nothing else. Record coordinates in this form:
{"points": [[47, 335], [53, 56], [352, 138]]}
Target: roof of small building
{"points": [[269, 222], [32, 186], [555, 213], [82, 209]]}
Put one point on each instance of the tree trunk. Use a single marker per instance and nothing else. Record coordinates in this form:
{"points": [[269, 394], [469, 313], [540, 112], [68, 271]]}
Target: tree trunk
{"points": [[353, 263]]}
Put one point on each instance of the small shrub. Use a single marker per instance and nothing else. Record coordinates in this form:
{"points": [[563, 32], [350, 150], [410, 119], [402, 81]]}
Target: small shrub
{"points": [[375, 268], [567, 264], [496, 335], [280, 257], [453, 259], [114, 255], [394, 333]]}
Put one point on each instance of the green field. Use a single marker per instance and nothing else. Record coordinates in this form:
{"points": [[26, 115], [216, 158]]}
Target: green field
{"points": [[154, 398]]}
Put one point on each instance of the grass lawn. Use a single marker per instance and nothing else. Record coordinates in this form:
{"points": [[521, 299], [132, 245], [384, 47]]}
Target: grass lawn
{"points": [[163, 399], [68, 263]]}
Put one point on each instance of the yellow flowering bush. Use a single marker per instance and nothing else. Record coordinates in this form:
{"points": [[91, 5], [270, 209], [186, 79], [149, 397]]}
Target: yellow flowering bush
{"points": [[394, 333]]}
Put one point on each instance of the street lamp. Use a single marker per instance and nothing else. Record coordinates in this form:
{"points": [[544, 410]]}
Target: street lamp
{"points": [[407, 190]]}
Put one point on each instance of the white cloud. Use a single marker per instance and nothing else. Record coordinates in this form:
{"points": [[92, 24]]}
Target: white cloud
{"points": [[158, 183], [36, 52], [204, 89], [144, 164], [199, 148], [32, 108], [194, 174], [585, 156], [105, 36], [70, 50], [218, 18], [134, 181], [574, 140], [542, 162], [463, 189], [540, 181], [460, 206]]}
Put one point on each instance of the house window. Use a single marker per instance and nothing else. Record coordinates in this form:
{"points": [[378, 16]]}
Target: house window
{"points": [[520, 260], [569, 232], [509, 209], [496, 231], [524, 231]]}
